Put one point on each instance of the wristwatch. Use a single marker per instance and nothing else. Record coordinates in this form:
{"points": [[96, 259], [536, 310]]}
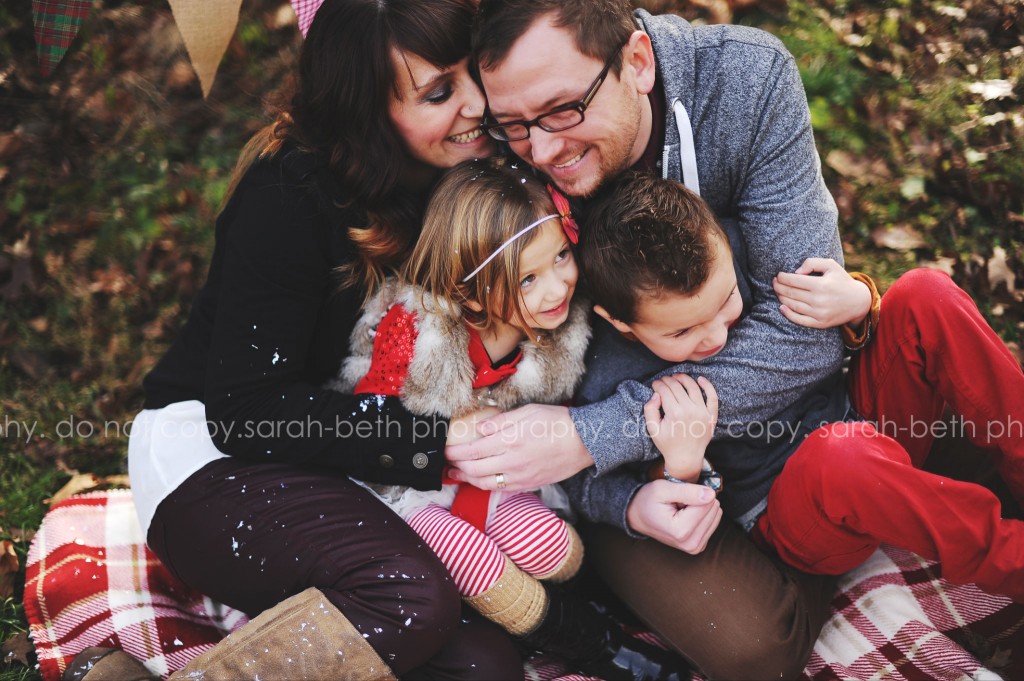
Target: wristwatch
{"points": [[709, 477]]}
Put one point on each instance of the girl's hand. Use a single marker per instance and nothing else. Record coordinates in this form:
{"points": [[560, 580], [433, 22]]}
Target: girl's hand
{"points": [[463, 429], [681, 422], [821, 295]]}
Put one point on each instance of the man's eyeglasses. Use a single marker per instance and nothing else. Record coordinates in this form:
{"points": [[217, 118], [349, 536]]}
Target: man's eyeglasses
{"points": [[560, 118]]}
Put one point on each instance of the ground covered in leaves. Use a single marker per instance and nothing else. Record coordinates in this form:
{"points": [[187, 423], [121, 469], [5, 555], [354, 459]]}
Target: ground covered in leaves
{"points": [[112, 171]]}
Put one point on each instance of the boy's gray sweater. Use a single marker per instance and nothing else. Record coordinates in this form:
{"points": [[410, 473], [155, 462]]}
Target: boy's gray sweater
{"points": [[758, 166]]}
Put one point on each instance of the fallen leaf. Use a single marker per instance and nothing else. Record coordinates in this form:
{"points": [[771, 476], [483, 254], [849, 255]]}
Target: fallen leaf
{"points": [[992, 89], [1016, 351], [900, 237], [30, 362], [79, 482], [942, 263], [39, 324], [82, 482], [8, 568], [956, 12], [912, 187], [113, 280], [856, 167], [999, 271], [18, 648], [974, 156], [1001, 658], [181, 75], [117, 481], [284, 17], [21, 535], [22, 277], [10, 144]]}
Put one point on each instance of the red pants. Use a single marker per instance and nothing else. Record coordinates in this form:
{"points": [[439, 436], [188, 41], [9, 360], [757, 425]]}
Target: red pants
{"points": [[850, 487]]}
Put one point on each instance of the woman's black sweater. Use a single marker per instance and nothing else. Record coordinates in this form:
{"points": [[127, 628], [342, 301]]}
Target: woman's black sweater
{"points": [[272, 324]]}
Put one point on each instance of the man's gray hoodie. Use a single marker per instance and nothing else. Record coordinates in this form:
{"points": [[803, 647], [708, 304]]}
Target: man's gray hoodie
{"points": [[758, 167]]}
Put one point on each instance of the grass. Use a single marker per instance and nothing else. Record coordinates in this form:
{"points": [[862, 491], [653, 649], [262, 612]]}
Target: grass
{"points": [[110, 181], [905, 90], [111, 172]]}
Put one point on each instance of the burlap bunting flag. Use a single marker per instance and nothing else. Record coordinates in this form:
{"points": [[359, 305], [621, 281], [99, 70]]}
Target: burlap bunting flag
{"points": [[56, 24], [206, 27]]}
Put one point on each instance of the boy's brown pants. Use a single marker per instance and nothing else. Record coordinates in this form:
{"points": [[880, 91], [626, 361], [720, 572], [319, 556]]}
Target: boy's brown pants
{"points": [[733, 611]]}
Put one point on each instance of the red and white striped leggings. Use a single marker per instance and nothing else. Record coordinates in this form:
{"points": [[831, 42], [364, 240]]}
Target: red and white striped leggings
{"points": [[521, 527]]}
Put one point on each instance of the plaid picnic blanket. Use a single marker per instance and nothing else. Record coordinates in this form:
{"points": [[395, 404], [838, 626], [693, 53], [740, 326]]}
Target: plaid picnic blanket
{"points": [[91, 581], [894, 617]]}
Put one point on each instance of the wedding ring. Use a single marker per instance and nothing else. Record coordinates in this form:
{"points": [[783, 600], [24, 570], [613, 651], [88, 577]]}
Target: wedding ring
{"points": [[499, 480]]}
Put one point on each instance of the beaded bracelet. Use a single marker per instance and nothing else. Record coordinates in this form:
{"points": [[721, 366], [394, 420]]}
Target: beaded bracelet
{"points": [[855, 340]]}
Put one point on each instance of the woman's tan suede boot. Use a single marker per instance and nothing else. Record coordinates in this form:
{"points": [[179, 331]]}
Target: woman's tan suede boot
{"points": [[302, 637]]}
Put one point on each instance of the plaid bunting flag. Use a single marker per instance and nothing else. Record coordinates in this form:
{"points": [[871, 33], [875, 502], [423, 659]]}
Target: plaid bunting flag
{"points": [[304, 11], [56, 25]]}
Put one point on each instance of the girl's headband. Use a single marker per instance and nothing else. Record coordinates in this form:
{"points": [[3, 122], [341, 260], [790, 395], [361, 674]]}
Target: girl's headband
{"points": [[505, 245], [569, 226]]}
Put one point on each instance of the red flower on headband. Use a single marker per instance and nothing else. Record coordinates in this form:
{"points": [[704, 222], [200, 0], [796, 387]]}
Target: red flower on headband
{"points": [[569, 226]]}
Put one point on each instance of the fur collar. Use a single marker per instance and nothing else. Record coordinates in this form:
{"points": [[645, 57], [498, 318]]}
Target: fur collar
{"points": [[441, 375]]}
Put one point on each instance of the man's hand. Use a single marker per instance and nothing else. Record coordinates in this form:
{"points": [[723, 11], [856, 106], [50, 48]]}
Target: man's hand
{"points": [[681, 421], [681, 515], [530, 446], [822, 295]]}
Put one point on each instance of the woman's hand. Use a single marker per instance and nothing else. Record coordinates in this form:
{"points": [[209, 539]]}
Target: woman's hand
{"points": [[464, 428], [681, 421], [822, 295]]}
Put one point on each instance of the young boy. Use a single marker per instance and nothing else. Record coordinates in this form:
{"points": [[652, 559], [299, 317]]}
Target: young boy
{"points": [[661, 270]]}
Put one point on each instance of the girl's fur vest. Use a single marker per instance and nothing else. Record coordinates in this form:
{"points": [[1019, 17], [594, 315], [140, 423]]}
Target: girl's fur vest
{"points": [[440, 377]]}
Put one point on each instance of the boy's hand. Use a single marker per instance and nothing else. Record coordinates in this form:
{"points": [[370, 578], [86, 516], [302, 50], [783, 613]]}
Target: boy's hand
{"points": [[681, 421], [821, 295], [682, 516]]}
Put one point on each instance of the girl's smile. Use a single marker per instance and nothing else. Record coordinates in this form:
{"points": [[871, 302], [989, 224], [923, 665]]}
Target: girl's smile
{"points": [[547, 277]]}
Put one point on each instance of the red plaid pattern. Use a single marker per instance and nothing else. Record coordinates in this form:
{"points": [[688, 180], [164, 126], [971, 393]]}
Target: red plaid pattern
{"points": [[304, 10], [56, 24], [91, 581], [895, 618]]}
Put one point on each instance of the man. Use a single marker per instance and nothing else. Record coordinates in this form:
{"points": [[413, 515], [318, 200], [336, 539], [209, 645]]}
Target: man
{"points": [[722, 109]]}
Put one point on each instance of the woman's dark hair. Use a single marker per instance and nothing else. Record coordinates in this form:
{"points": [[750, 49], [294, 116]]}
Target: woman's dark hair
{"points": [[340, 110]]}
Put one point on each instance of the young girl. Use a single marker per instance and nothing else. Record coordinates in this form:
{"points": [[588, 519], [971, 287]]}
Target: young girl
{"points": [[483, 320]]}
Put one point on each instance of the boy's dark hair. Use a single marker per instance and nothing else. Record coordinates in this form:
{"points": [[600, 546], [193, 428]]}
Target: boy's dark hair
{"points": [[645, 236], [600, 27]]}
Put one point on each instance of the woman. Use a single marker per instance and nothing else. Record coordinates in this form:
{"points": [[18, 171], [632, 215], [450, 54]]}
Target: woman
{"points": [[240, 460]]}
